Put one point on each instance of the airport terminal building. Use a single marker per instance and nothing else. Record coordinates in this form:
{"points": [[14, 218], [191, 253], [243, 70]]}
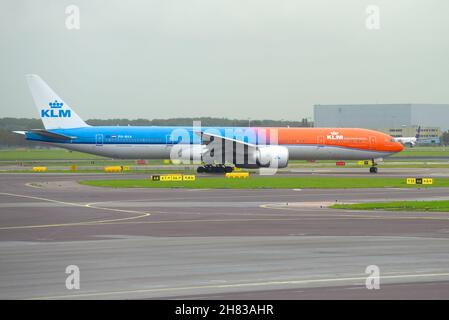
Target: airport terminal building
{"points": [[380, 116]]}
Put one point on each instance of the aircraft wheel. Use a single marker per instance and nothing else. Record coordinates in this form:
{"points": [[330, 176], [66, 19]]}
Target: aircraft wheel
{"points": [[220, 169], [200, 169], [373, 170]]}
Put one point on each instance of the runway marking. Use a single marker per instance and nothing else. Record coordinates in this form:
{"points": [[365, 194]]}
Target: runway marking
{"points": [[141, 214], [340, 217], [32, 185], [331, 215], [239, 285], [257, 192], [370, 192]]}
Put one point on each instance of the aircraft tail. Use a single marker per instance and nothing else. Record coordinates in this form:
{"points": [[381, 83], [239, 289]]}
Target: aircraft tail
{"points": [[418, 132], [54, 112]]}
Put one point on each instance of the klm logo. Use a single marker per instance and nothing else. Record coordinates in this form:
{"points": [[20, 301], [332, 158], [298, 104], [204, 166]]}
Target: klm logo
{"points": [[55, 111]]}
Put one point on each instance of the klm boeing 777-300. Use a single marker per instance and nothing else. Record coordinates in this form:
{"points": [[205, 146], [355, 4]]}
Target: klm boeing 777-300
{"points": [[216, 147]]}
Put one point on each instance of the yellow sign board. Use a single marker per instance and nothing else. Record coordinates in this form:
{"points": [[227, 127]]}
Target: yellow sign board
{"points": [[166, 178], [39, 169], [174, 177], [365, 163], [243, 175], [113, 169], [419, 181]]}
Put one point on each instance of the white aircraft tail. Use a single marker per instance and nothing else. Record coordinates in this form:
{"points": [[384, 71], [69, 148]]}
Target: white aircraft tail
{"points": [[54, 112]]}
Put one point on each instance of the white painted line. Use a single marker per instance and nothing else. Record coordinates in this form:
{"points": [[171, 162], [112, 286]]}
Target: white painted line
{"points": [[238, 285]]}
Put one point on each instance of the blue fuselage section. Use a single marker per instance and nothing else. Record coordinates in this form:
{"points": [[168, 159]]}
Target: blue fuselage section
{"points": [[142, 135]]}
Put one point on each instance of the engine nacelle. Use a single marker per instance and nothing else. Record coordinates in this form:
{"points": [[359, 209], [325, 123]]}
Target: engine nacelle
{"points": [[272, 156], [266, 157]]}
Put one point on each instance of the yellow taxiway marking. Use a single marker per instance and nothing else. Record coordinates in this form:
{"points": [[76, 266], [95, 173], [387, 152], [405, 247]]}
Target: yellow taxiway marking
{"points": [[255, 219], [140, 214], [240, 285]]}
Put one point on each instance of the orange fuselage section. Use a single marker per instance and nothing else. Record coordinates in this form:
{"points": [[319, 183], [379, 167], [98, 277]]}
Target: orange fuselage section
{"points": [[351, 138]]}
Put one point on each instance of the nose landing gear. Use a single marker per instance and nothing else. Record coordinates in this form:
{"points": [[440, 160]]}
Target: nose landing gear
{"points": [[373, 168]]}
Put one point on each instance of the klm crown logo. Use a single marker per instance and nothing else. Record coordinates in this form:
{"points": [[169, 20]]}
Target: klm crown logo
{"points": [[56, 104], [335, 135], [55, 111]]}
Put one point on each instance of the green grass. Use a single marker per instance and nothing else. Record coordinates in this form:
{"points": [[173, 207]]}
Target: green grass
{"points": [[44, 154], [436, 205], [142, 171], [60, 158], [257, 182], [386, 164], [423, 152]]}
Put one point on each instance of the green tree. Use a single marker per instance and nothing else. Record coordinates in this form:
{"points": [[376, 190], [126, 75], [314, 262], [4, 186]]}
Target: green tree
{"points": [[445, 138]]}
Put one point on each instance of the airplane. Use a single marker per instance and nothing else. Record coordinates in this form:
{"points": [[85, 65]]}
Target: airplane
{"points": [[218, 149], [409, 140]]}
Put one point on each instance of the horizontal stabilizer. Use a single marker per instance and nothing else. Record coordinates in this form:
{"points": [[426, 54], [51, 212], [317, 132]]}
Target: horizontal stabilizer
{"points": [[51, 135]]}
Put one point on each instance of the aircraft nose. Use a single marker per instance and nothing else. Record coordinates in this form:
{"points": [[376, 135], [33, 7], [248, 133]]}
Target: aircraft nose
{"points": [[399, 147]]}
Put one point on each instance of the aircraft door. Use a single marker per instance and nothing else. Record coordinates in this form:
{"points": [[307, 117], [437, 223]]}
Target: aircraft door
{"points": [[372, 142], [320, 140], [99, 139]]}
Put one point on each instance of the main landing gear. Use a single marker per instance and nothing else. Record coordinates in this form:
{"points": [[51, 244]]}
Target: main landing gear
{"points": [[218, 168], [373, 168]]}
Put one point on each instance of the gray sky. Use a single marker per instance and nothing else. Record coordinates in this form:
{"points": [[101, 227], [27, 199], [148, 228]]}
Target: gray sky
{"points": [[229, 58]]}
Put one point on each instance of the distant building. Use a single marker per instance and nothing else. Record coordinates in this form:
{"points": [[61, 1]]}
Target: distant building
{"points": [[377, 116], [427, 135]]}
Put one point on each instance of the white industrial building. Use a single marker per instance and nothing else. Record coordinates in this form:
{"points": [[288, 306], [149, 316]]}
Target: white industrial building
{"points": [[376, 116]]}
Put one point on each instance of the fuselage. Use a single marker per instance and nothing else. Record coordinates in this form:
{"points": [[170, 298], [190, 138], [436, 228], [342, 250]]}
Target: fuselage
{"points": [[406, 140], [157, 142]]}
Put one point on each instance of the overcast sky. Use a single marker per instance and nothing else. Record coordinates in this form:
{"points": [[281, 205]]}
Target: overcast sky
{"points": [[257, 59]]}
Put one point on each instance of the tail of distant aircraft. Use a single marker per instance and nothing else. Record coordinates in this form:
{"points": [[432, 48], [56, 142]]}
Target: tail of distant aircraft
{"points": [[418, 132], [54, 112]]}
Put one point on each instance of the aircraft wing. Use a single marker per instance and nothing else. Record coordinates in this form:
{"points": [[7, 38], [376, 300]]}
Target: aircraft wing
{"points": [[214, 137]]}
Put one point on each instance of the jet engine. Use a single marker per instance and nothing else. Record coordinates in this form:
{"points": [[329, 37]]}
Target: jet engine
{"points": [[266, 156]]}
